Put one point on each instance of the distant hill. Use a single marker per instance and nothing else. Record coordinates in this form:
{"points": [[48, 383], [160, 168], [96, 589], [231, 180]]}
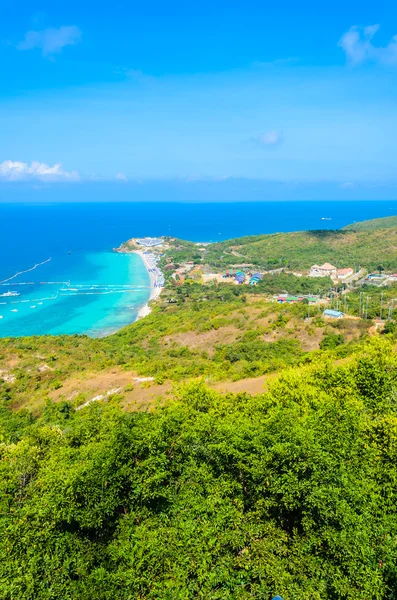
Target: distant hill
{"points": [[384, 223], [298, 250]]}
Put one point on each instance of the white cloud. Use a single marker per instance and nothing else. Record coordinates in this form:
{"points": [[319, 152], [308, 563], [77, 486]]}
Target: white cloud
{"points": [[121, 177], [20, 171], [270, 138], [348, 185], [52, 40], [358, 47]]}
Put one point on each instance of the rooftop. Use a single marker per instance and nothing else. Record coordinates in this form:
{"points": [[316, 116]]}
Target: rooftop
{"points": [[333, 313], [149, 242]]}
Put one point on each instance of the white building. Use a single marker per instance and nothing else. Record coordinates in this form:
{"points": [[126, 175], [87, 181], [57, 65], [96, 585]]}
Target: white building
{"points": [[345, 273], [325, 270]]}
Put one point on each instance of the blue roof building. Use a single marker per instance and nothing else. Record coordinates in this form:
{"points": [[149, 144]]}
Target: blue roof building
{"points": [[334, 314]]}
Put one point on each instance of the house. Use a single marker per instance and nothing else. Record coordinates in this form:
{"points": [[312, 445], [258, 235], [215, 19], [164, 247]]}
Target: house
{"points": [[325, 270], [333, 314], [229, 273], [375, 277], [240, 277], [255, 277], [289, 299], [286, 298], [345, 273]]}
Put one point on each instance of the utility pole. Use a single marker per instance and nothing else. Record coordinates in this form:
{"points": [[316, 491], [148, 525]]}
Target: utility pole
{"points": [[359, 310], [366, 311], [381, 305], [390, 315]]}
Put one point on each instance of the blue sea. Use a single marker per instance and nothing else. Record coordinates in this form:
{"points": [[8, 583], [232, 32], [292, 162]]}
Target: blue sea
{"points": [[110, 288]]}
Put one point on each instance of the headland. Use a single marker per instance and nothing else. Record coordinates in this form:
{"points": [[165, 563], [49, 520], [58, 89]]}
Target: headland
{"points": [[150, 251]]}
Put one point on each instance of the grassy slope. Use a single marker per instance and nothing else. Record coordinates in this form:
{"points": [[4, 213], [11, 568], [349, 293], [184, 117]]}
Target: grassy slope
{"points": [[202, 336], [301, 249], [384, 223]]}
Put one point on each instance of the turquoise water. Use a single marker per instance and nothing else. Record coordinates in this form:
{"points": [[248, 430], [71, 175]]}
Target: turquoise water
{"points": [[31, 233], [45, 309]]}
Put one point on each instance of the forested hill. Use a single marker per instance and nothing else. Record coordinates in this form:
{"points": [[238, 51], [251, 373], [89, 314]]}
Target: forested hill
{"points": [[384, 223], [214, 497], [300, 250]]}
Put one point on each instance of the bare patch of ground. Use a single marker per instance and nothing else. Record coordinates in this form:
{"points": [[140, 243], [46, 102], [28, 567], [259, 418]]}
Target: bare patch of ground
{"points": [[138, 393], [93, 383], [206, 340], [253, 385]]}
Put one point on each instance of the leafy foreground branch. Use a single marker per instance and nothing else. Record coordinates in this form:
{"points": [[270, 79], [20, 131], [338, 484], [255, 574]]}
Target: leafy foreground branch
{"points": [[216, 497]]}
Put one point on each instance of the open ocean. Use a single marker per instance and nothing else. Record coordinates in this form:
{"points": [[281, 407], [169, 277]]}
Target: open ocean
{"points": [[32, 233]]}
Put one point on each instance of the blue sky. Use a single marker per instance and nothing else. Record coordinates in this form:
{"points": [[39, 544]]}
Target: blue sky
{"points": [[220, 98]]}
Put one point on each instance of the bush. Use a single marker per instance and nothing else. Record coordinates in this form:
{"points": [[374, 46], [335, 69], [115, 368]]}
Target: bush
{"points": [[331, 341]]}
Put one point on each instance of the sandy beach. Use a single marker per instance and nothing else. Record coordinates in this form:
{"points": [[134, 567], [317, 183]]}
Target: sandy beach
{"points": [[154, 291]]}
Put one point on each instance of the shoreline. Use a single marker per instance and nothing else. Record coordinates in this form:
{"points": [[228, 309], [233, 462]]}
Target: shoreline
{"points": [[155, 292]]}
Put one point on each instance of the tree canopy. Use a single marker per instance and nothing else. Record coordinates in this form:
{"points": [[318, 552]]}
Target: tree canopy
{"points": [[211, 496]]}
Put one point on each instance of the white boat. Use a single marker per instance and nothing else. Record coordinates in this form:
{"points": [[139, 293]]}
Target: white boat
{"points": [[10, 294], [33, 306], [1, 317], [14, 310]]}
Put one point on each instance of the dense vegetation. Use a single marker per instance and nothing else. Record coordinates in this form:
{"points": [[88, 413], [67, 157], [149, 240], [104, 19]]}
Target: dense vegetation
{"points": [[383, 223], [366, 244], [302, 249], [215, 497], [291, 284]]}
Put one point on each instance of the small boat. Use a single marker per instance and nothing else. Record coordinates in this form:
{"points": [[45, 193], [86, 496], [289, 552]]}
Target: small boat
{"points": [[33, 306], [326, 218], [39, 303], [10, 294], [14, 310], [1, 316]]}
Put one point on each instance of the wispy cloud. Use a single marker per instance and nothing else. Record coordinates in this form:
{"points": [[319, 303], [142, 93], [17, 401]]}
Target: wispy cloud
{"points": [[20, 171], [358, 47], [121, 176], [347, 185], [51, 41], [134, 74], [269, 138]]}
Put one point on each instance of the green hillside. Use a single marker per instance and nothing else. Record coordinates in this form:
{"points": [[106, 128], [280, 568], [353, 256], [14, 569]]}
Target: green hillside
{"points": [[299, 250], [215, 497], [384, 223]]}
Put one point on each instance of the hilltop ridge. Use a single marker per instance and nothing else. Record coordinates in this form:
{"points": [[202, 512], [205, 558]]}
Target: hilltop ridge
{"points": [[371, 224]]}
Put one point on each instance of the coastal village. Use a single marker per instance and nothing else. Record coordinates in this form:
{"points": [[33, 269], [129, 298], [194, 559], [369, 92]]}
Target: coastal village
{"points": [[158, 256]]}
